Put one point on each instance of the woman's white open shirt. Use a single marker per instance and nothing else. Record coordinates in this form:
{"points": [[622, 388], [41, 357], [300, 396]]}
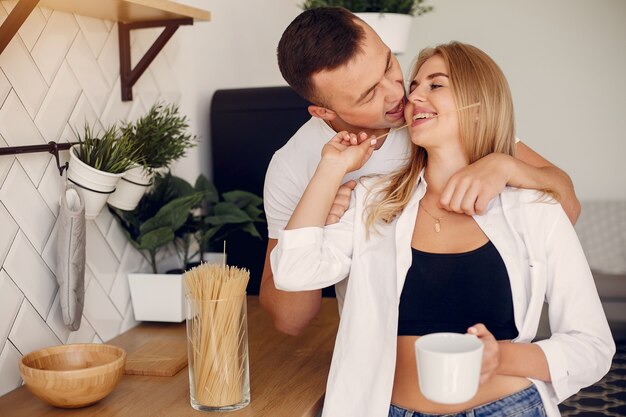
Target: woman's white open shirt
{"points": [[543, 258]]}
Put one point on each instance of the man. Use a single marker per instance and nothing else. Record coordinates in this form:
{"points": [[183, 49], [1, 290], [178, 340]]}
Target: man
{"points": [[338, 63]]}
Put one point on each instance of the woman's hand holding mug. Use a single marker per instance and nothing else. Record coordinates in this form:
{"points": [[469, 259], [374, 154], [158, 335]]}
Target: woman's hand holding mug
{"points": [[491, 351]]}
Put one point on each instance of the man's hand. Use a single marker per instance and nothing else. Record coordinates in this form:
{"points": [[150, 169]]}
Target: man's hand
{"points": [[341, 203], [470, 190]]}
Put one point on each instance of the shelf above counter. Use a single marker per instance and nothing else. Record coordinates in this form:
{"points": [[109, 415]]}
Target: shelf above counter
{"points": [[129, 14], [128, 11]]}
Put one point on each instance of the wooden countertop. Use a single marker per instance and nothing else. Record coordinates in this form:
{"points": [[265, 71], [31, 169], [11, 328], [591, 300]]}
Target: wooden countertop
{"points": [[287, 375]]}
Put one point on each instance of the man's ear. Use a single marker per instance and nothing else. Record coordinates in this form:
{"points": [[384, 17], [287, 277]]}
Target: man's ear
{"points": [[321, 112]]}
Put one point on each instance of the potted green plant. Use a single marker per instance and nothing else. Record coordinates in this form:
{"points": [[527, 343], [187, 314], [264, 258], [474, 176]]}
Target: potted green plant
{"points": [[201, 238], [162, 137], [391, 19], [176, 213], [97, 163], [150, 228]]}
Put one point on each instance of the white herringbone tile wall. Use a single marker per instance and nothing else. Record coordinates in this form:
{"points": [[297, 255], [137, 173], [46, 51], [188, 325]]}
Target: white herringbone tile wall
{"points": [[58, 72]]}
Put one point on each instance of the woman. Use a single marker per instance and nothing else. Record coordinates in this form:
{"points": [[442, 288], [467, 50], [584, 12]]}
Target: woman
{"points": [[415, 269]]}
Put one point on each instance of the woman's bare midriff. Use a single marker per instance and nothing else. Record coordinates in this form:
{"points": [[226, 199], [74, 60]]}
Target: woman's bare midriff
{"points": [[407, 394]]}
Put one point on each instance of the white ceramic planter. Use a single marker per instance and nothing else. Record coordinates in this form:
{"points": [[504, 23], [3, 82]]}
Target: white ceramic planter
{"points": [[130, 189], [94, 186], [161, 297], [157, 297], [213, 258], [393, 28]]}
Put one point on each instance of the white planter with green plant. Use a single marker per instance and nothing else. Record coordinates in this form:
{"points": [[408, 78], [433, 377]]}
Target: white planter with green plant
{"points": [[162, 139], [390, 19], [190, 218], [96, 166], [154, 296]]}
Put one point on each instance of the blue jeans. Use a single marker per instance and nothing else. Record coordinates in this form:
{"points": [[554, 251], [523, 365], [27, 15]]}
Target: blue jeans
{"points": [[524, 403]]}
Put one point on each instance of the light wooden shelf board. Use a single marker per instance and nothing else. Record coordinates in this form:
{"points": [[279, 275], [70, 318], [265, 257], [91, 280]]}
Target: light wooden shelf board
{"points": [[131, 14], [128, 10]]}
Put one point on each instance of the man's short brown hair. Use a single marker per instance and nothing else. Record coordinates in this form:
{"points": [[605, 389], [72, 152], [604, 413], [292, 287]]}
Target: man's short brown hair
{"points": [[319, 39]]}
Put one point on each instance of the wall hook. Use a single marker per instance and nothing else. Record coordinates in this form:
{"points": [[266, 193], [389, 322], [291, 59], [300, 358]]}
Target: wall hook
{"points": [[54, 150]]}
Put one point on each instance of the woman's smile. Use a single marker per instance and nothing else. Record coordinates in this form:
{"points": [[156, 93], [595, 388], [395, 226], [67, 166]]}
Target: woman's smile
{"points": [[421, 116]]}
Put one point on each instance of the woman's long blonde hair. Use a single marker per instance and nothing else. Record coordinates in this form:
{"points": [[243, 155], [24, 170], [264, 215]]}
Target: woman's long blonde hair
{"points": [[474, 77]]}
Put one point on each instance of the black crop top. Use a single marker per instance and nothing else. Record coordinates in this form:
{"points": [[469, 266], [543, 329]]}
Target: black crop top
{"points": [[451, 292]]}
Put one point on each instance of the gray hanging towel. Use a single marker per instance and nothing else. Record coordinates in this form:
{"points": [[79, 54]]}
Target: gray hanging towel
{"points": [[71, 257]]}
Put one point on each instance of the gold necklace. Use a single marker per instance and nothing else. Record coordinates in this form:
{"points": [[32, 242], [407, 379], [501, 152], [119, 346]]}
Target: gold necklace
{"points": [[437, 219]]}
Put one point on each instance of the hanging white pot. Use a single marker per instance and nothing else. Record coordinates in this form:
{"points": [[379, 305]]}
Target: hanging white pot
{"points": [[131, 188], [393, 28], [157, 297], [94, 186]]}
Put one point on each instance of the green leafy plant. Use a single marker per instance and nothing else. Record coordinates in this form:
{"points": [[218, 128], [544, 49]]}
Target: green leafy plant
{"points": [[161, 212], [107, 151], [411, 7], [161, 135], [216, 218], [191, 217]]}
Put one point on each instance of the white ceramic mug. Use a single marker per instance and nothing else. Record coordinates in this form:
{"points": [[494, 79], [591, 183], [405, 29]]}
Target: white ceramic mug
{"points": [[448, 366]]}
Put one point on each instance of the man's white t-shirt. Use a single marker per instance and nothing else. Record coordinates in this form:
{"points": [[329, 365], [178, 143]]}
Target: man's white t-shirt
{"points": [[293, 165]]}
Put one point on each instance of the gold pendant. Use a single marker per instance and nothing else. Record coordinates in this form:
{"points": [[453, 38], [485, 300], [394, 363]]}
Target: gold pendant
{"points": [[437, 226]]}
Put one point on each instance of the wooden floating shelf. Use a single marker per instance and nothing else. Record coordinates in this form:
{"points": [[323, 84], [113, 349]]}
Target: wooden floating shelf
{"points": [[127, 11], [130, 15]]}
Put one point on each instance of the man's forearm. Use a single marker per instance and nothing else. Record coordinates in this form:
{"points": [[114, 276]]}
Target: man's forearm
{"points": [[291, 311], [562, 185], [534, 171], [547, 178]]}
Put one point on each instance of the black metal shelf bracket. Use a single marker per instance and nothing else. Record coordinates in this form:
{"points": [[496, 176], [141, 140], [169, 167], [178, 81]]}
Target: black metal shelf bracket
{"points": [[128, 75], [51, 147]]}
